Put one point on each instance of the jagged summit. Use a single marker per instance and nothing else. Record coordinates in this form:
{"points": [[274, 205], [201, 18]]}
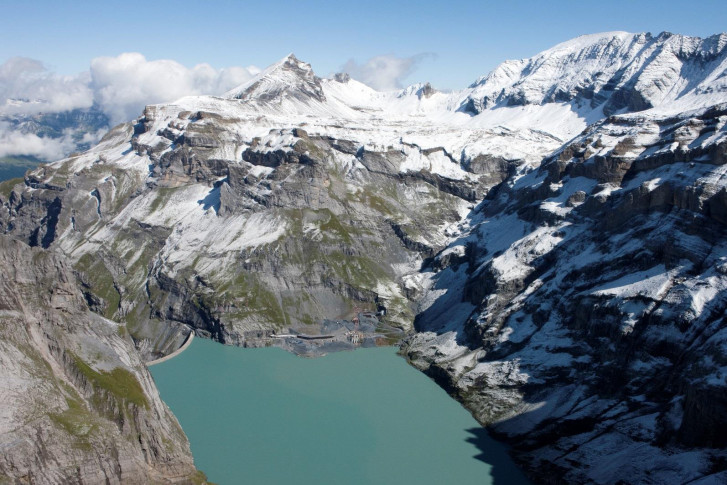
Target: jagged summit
{"points": [[342, 77], [420, 90], [289, 76]]}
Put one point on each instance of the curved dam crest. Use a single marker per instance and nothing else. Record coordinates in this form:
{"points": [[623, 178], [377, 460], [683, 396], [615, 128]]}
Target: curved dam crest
{"points": [[181, 349], [364, 417]]}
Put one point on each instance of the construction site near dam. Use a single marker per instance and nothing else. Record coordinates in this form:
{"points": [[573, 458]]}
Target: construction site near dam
{"points": [[364, 329]]}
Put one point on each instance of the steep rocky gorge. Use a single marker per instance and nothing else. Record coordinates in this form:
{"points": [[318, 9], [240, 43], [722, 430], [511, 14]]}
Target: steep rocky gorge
{"points": [[552, 238]]}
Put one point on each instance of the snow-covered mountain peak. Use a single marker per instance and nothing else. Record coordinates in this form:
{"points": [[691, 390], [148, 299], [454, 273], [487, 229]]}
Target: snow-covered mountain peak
{"points": [[613, 71], [289, 76], [520, 112], [510, 70]]}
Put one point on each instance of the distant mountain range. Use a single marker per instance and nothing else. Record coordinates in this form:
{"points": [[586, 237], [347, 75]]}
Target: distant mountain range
{"points": [[73, 131], [551, 238]]}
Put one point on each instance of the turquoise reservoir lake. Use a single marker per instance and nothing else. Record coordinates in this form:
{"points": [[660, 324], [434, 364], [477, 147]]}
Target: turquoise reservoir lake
{"points": [[264, 416]]}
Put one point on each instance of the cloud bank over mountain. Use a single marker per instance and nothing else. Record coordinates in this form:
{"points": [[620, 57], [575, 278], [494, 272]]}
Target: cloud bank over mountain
{"points": [[119, 87], [385, 73], [26, 86], [123, 85]]}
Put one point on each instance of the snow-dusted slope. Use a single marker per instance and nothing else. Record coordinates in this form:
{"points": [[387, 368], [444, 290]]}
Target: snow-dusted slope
{"points": [[583, 314], [556, 259]]}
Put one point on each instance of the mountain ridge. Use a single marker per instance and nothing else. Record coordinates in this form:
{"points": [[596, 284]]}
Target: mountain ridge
{"points": [[641, 64]]}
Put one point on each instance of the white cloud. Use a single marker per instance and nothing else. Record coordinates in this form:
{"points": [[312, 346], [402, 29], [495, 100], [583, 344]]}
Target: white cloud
{"points": [[92, 138], [17, 143], [123, 85], [119, 86], [28, 79], [384, 73]]}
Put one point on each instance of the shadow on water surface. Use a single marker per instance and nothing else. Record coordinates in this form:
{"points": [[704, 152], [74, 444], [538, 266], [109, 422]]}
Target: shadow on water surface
{"points": [[503, 471]]}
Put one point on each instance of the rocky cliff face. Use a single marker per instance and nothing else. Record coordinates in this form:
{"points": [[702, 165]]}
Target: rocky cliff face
{"points": [[78, 405], [587, 325], [561, 264]]}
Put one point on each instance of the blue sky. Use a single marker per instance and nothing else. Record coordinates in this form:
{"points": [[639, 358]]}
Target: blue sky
{"points": [[466, 39]]}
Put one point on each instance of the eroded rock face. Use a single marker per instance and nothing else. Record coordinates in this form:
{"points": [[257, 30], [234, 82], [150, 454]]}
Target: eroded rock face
{"points": [[78, 404], [302, 229], [591, 333]]}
